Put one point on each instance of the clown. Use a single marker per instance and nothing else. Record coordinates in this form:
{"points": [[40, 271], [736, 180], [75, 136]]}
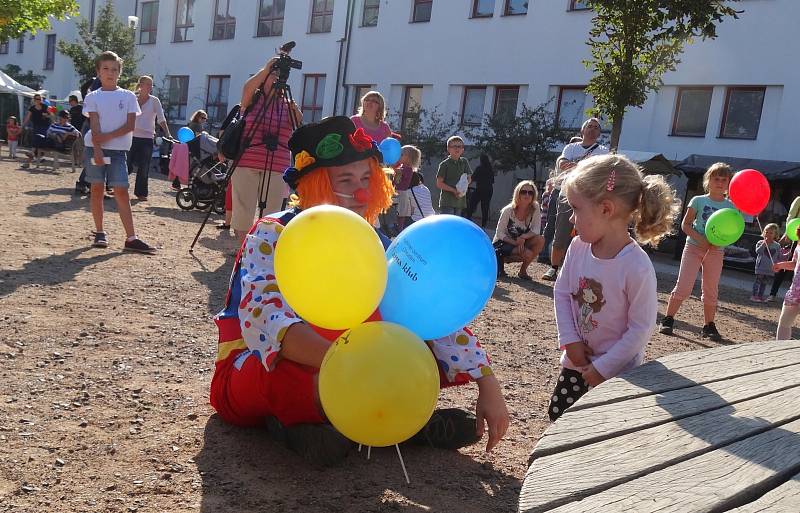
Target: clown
{"points": [[268, 359]]}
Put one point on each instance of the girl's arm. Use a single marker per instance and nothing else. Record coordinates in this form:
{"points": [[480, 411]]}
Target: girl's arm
{"points": [[568, 337], [687, 228]]}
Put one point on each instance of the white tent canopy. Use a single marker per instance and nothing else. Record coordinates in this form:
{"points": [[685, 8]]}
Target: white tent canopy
{"points": [[11, 86]]}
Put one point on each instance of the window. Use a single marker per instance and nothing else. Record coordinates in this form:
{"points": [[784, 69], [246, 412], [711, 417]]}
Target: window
{"points": [[321, 16], [472, 107], [184, 26], [3, 47], [482, 8], [359, 91], [578, 5], [422, 11], [224, 23], [370, 16], [177, 98], [412, 103], [147, 32], [742, 113], [691, 111], [505, 101], [313, 95], [515, 7], [270, 18], [217, 98], [21, 44], [49, 52], [571, 109]]}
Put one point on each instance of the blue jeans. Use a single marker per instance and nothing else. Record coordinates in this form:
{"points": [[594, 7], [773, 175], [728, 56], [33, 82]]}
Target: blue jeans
{"points": [[114, 174]]}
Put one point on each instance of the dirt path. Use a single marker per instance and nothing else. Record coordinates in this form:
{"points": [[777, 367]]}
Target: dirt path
{"points": [[106, 360]]}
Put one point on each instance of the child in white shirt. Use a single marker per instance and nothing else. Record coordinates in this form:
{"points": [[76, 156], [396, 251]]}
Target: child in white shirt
{"points": [[605, 296]]}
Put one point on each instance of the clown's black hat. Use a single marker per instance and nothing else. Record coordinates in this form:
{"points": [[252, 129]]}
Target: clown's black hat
{"points": [[334, 141]]}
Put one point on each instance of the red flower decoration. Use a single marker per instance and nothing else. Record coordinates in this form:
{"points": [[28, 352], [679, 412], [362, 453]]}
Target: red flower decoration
{"points": [[360, 140]]}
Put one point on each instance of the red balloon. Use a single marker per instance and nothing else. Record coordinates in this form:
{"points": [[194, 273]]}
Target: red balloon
{"points": [[749, 191], [332, 335], [51, 109]]}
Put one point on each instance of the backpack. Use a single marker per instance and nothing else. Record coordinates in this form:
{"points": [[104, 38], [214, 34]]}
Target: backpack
{"points": [[232, 130]]}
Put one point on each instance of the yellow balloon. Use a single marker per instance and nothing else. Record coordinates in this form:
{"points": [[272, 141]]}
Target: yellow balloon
{"points": [[331, 267], [378, 384]]}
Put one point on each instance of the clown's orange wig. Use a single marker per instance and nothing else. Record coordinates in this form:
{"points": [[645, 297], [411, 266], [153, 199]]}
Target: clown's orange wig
{"points": [[315, 189]]}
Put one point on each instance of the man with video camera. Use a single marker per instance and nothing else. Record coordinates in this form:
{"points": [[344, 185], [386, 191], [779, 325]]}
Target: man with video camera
{"points": [[270, 116]]}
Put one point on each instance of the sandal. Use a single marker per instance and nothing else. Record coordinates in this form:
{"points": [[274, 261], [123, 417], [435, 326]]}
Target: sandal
{"points": [[524, 277], [223, 226]]}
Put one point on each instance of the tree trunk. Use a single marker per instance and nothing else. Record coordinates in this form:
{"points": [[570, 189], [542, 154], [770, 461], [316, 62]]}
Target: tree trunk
{"points": [[616, 131]]}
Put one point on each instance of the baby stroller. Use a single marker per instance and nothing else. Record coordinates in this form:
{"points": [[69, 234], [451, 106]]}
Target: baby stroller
{"points": [[207, 177]]}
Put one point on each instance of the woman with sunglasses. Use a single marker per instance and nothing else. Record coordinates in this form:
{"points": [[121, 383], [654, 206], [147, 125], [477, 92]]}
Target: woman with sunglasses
{"points": [[518, 229], [41, 120]]}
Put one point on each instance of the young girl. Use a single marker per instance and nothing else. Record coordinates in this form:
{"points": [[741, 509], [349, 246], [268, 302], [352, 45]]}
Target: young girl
{"points": [[605, 296], [791, 301], [12, 133], [410, 159], [768, 252], [699, 253]]}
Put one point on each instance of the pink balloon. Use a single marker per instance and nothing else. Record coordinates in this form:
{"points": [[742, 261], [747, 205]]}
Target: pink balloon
{"points": [[749, 191]]}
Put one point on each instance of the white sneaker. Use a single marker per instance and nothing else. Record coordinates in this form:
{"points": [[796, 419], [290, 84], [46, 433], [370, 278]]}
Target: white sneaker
{"points": [[550, 275], [769, 299]]}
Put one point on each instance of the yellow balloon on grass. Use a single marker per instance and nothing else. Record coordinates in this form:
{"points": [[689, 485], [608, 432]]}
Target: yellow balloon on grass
{"points": [[331, 267], [378, 384]]}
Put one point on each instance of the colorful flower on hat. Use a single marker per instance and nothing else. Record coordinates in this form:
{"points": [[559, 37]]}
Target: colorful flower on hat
{"points": [[360, 140], [330, 147], [303, 159]]}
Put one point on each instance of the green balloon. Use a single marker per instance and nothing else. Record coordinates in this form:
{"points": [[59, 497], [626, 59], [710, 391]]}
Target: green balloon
{"points": [[791, 228], [724, 227]]}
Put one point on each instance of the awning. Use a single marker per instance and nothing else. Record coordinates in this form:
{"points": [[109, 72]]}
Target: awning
{"points": [[653, 163], [774, 170]]}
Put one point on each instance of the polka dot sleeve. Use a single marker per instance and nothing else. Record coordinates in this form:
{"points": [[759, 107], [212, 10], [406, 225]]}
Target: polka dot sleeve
{"points": [[460, 356], [263, 312]]}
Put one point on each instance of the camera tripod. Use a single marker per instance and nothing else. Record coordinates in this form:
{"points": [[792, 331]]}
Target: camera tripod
{"points": [[277, 101]]}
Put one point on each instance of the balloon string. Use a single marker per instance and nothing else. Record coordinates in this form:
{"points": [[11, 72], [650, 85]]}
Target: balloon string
{"points": [[369, 450], [765, 240], [402, 463]]}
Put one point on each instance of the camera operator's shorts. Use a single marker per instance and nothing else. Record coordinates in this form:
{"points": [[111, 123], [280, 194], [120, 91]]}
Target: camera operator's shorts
{"points": [[564, 229], [114, 174], [246, 182]]}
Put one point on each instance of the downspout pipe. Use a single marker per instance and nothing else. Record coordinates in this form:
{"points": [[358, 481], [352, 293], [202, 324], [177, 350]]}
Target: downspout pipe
{"points": [[342, 42]]}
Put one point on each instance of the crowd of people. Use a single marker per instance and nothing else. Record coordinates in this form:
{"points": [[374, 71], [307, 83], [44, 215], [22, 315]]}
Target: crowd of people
{"points": [[596, 212]]}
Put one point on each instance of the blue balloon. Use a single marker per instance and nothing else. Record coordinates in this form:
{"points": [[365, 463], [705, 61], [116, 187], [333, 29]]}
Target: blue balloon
{"points": [[390, 149], [442, 271], [185, 134]]}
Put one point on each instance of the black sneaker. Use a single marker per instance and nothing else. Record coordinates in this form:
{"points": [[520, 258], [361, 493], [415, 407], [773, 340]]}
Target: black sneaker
{"points": [[710, 332], [317, 444], [666, 325], [100, 240], [449, 428], [139, 246]]}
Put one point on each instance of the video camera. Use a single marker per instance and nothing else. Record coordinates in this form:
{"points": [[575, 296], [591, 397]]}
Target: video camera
{"points": [[286, 63]]}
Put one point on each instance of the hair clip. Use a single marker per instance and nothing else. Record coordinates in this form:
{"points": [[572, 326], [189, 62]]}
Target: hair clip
{"points": [[612, 180]]}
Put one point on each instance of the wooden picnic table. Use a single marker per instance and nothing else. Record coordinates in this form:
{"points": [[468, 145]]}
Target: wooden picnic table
{"points": [[711, 430]]}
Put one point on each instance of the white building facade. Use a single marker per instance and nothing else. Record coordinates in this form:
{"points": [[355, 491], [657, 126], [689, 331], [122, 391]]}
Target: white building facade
{"points": [[735, 96]]}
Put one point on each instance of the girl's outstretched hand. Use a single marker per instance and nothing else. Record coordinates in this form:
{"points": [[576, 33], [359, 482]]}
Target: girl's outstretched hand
{"points": [[491, 410], [591, 376]]}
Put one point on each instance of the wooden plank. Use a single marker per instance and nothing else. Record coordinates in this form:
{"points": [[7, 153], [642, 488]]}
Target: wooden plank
{"points": [[784, 499], [713, 482], [691, 368], [580, 428], [571, 475]]}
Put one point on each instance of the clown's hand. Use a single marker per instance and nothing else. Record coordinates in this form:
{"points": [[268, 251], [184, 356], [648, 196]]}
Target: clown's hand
{"points": [[491, 410]]}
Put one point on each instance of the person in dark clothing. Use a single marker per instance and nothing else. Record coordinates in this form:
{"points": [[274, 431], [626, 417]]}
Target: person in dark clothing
{"points": [[483, 178], [75, 112]]}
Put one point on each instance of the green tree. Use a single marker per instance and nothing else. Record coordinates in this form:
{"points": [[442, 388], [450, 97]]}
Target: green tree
{"points": [[527, 140], [634, 42], [29, 78], [110, 33], [427, 129], [20, 16]]}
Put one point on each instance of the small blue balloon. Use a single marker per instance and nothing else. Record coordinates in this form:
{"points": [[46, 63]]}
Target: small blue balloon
{"points": [[185, 134], [442, 272], [390, 149]]}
